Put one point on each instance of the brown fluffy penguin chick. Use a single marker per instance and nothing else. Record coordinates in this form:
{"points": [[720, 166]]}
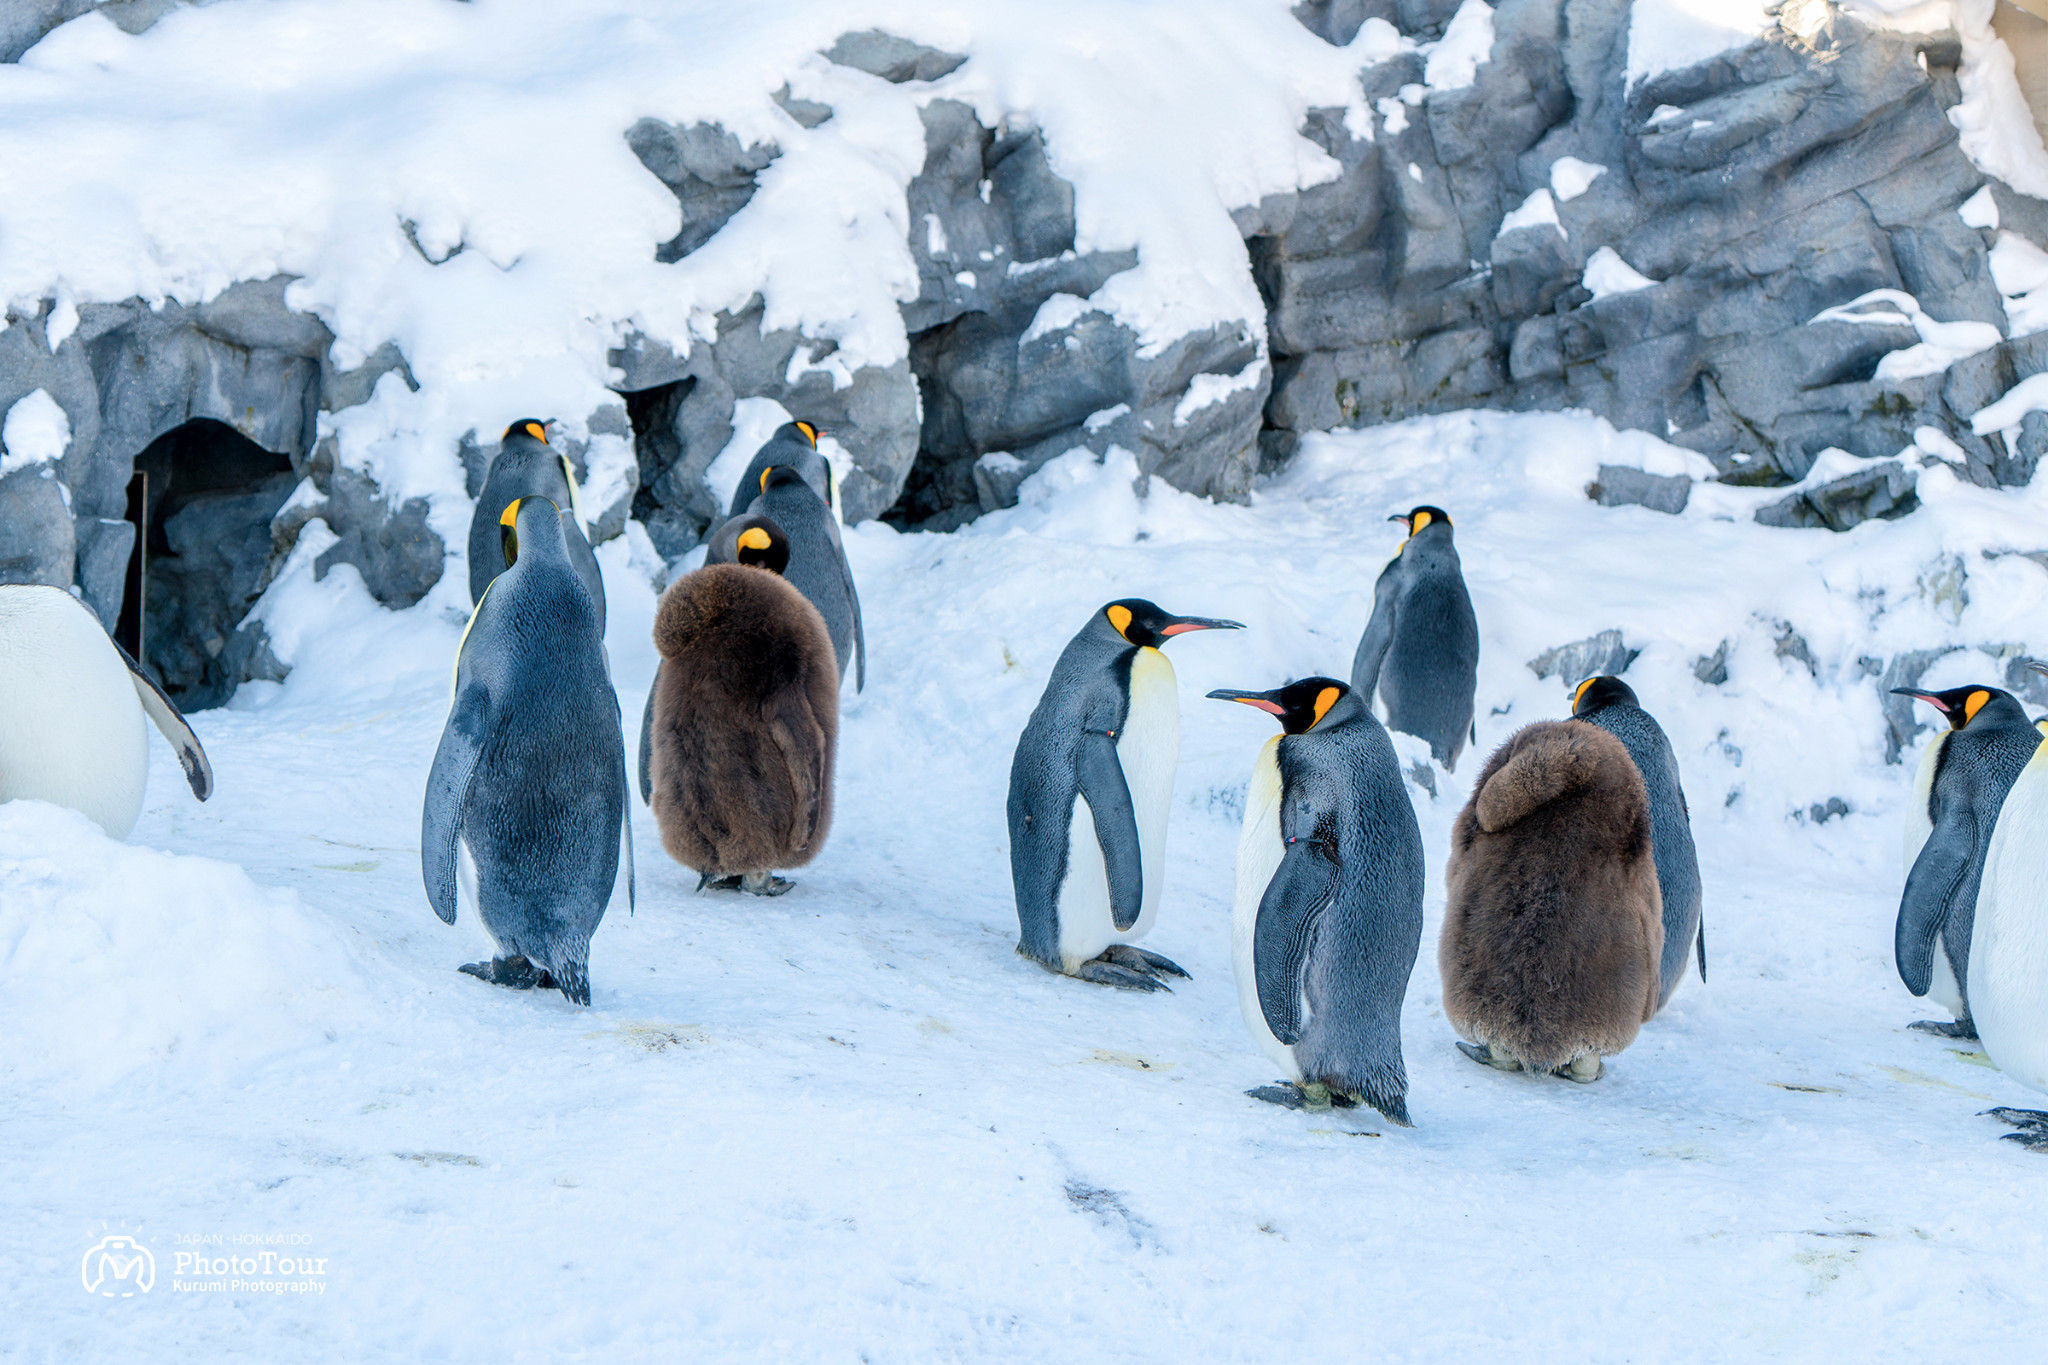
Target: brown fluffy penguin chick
{"points": [[746, 721], [1554, 926]]}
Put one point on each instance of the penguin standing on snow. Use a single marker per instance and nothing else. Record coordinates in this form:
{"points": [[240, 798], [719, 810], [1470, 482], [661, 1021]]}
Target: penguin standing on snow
{"points": [[1611, 704], [1554, 926], [745, 718], [1962, 784], [526, 802], [1420, 650], [817, 558], [1090, 789], [1328, 914], [527, 467], [794, 444], [71, 709], [2008, 974]]}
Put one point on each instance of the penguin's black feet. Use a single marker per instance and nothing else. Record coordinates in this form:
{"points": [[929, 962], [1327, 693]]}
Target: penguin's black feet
{"points": [[515, 972], [1286, 1094], [1110, 974], [1138, 960], [1313, 1096], [2032, 1125], [765, 884], [1946, 1028], [707, 882], [1484, 1054]]}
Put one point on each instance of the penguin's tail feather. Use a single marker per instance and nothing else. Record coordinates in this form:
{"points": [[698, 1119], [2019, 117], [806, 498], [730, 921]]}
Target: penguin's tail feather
{"points": [[1549, 763], [572, 979]]}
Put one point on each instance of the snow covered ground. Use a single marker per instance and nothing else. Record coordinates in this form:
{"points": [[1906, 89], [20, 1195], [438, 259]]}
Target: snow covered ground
{"points": [[851, 1124]]}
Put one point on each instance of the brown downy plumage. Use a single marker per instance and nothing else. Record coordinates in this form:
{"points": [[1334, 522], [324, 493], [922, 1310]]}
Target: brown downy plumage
{"points": [[1554, 926], [746, 722]]}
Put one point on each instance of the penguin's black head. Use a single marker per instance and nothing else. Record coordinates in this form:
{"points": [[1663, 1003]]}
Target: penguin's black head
{"points": [[1961, 705], [802, 431], [1422, 517], [780, 476], [759, 542], [1301, 705], [1145, 625], [527, 426], [1594, 693], [508, 523]]}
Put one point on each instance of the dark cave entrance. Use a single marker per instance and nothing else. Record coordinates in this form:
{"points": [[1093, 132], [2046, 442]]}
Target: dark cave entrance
{"points": [[655, 416], [202, 498]]}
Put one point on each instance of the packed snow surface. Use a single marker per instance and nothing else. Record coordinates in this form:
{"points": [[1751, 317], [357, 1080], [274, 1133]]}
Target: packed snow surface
{"points": [[853, 1123]]}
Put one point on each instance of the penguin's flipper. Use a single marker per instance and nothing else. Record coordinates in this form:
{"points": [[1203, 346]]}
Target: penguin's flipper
{"points": [[171, 723], [1930, 888], [632, 895], [1101, 775], [1379, 634], [1301, 890], [860, 637], [447, 793], [584, 560], [1700, 944], [647, 742]]}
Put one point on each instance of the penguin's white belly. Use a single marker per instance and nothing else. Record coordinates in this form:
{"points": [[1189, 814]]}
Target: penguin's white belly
{"points": [[1259, 851], [2009, 942], [1149, 752], [71, 728], [1918, 826]]}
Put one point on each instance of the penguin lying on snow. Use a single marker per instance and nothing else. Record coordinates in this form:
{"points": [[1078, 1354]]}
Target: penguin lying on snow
{"points": [[1554, 926], [1090, 788], [745, 719], [1962, 783], [1611, 704], [1329, 899], [526, 802], [2007, 985], [1420, 650], [817, 560], [527, 467], [71, 709]]}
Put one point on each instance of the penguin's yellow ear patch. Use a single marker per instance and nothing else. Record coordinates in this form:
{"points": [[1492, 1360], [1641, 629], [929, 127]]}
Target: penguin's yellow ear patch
{"points": [[1418, 521], [1325, 699], [1120, 617], [511, 512], [537, 432], [1973, 704], [754, 538], [810, 433], [1580, 694], [764, 479]]}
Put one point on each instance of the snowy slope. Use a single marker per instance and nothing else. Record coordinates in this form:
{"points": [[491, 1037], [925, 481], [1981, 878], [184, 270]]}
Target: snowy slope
{"points": [[852, 1124]]}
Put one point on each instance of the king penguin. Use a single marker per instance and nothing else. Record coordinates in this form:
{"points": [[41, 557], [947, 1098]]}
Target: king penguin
{"points": [[526, 466], [1553, 924], [1420, 650], [2008, 975], [526, 802], [71, 709], [1611, 704], [1328, 914], [744, 719], [794, 444], [1963, 781], [817, 559], [1090, 789]]}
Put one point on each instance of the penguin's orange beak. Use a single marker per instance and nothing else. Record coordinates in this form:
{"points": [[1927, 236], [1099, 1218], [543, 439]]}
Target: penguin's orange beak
{"points": [[1183, 624], [1263, 701]]}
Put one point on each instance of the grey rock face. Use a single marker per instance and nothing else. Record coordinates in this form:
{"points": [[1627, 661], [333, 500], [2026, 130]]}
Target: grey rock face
{"points": [[710, 174], [1884, 490], [894, 59], [992, 230], [1900, 723], [1605, 654], [1756, 190], [38, 543], [1622, 486]]}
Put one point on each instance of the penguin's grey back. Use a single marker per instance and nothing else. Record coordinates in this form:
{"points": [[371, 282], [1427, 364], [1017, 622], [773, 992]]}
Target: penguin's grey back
{"points": [[1364, 949], [817, 564], [1678, 862], [527, 468], [1421, 649], [544, 810], [746, 722], [1553, 930]]}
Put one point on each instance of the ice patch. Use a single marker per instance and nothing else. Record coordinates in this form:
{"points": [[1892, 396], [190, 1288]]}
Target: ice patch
{"points": [[1670, 35], [1467, 44], [1535, 211], [1995, 123], [2029, 395], [1941, 344], [1571, 177], [1207, 389], [1607, 273], [1980, 210], [2020, 270], [35, 430]]}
